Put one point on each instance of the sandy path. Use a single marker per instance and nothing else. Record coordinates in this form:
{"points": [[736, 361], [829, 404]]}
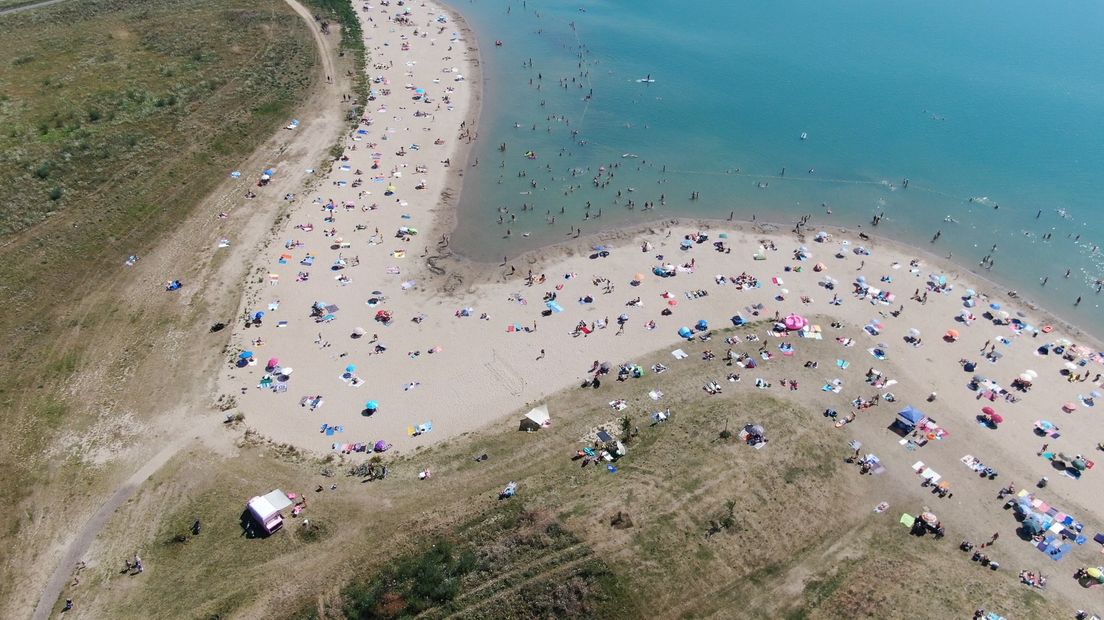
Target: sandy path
{"points": [[91, 529], [322, 122]]}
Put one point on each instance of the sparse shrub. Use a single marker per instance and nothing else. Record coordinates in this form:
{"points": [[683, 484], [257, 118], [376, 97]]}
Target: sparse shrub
{"points": [[55, 193]]}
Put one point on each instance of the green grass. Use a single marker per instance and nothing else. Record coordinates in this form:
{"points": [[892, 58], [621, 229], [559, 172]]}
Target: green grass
{"points": [[9, 4], [117, 118]]}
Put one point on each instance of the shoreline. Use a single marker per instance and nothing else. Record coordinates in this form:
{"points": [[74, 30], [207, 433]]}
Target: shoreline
{"points": [[449, 220], [620, 233], [1058, 311], [483, 369], [445, 213]]}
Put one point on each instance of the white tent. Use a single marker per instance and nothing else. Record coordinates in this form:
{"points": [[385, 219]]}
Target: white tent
{"points": [[537, 418]]}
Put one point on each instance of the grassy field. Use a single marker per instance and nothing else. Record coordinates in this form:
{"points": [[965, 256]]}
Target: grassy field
{"points": [[692, 524], [117, 118], [7, 4]]}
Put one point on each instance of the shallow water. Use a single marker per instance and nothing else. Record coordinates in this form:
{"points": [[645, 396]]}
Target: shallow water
{"points": [[999, 102]]}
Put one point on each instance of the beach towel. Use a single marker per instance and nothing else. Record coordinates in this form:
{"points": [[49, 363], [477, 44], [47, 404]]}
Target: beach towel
{"points": [[554, 307], [680, 354], [843, 363], [907, 520], [1057, 553], [655, 394]]}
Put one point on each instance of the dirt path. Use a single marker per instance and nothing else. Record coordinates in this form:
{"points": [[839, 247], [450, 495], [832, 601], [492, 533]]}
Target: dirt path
{"points": [[322, 123], [28, 7], [92, 528]]}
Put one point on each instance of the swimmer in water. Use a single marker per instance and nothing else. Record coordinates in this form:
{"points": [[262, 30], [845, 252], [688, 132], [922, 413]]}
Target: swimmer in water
{"points": [[950, 219]]}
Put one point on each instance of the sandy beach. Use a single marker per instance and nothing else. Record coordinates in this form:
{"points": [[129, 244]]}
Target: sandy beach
{"points": [[363, 302]]}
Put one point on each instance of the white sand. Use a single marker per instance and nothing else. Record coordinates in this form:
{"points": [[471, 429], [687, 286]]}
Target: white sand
{"points": [[483, 372]]}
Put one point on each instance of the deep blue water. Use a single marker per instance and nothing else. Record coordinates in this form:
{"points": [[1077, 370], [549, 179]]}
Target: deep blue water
{"points": [[1001, 102]]}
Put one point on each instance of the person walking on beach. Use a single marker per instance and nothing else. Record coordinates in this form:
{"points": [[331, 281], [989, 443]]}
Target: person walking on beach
{"points": [[541, 356], [1043, 449]]}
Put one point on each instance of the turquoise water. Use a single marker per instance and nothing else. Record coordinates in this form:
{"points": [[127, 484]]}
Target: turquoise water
{"points": [[999, 102]]}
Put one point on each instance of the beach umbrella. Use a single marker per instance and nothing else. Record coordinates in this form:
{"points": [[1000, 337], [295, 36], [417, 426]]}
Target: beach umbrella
{"points": [[286, 371], [672, 302], [381, 446], [952, 334], [246, 355], [996, 418], [359, 331], [1034, 375], [272, 363], [1068, 407], [1026, 378], [915, 333], [686, 243], [638, 277], [970, 292], [929, 518], [994, 306], [371, 405], [1034, 523], [605, 366], [1079, 464], [351, 368], [1071, 366], [988, 410], [258, 315], [1003, 314], [1095, 573], [755, 429], [795, 322]]}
